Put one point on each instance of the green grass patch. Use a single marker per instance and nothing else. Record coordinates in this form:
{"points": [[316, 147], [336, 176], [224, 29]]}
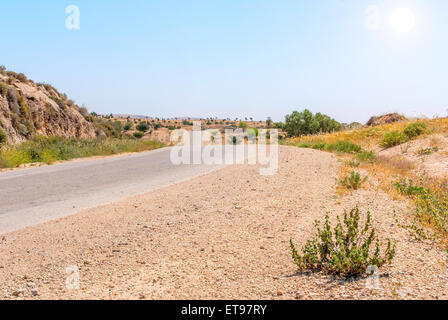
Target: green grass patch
{"points": [[340, 146], [51, 149]]}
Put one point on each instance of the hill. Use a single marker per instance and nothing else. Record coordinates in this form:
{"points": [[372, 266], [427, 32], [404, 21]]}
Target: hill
{"points": [[28, 108]]}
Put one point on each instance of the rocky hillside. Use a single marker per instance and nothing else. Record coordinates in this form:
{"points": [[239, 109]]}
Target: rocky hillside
{"points": [[28, 108]]}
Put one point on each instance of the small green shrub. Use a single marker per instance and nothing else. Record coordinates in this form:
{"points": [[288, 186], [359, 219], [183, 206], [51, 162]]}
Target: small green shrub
{"points": [[128, 126], [408, 188], [3, 137], [353, 181], [353, 163], [3, 89], [345, 250], [138, 134], [142, 127], [415, 129], [427, 151], [393, 138]]}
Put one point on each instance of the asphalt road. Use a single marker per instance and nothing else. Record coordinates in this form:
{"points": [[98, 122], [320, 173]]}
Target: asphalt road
{"points": [[32, 196]]}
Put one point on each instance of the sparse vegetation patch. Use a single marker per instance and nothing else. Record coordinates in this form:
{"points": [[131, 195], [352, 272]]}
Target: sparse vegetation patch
{"points": [[345, 249]]}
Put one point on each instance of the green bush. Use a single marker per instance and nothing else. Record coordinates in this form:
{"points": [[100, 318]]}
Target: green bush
{"points": [[345, 250], [142, 127], [415, 129], [138, 134], [3, 89], [393, 138], [304, 123], [3, 137], [408, 188], [353, 181], [128, 126]]}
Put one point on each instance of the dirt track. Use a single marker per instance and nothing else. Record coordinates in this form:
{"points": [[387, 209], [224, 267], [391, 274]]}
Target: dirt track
{"points": [[220, 236]]}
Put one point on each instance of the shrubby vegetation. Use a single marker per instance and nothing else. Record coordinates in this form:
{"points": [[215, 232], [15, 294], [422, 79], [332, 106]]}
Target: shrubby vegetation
{"points": [[344, 250], [340, 146], [431, 204], [51, 149], [142, 127], [353, 181], [304, 123], [3, 137], [395, 138], [3, 89]]}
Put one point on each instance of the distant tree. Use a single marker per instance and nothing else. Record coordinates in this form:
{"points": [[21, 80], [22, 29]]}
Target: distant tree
{"points": [[303, 123], [128, 126], [269, 122], [243, 125]]}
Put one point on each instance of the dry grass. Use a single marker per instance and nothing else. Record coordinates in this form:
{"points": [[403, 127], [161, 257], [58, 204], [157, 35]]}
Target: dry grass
{"points": [[384, 171], [370, 137]]}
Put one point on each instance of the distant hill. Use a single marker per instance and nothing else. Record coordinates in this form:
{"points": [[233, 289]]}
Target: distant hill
{"points": [[28, 108]]}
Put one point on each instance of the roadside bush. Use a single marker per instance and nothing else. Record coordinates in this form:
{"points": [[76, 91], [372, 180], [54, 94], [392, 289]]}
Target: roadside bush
{"points": [[345, 250], [353, 181], [393, 138], [415, 129], [138, 134], [304, 123]]}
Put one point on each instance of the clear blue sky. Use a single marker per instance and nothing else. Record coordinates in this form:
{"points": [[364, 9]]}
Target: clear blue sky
{"points": [[233, 58]]}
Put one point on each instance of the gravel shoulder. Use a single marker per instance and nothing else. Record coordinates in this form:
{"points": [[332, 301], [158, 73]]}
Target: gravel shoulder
{"points": [[224, 235]]}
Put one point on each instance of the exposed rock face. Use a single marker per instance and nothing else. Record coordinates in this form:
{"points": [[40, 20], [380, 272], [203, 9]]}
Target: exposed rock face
{"points": [[27, 108], [385, 119]]}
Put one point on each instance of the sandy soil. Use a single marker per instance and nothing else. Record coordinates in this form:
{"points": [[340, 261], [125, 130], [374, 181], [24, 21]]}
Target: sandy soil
{"points": [[220, 236], [434, 163]]}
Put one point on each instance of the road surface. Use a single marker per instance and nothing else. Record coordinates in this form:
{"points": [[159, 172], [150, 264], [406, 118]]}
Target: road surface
{"points": [[32, 196]]}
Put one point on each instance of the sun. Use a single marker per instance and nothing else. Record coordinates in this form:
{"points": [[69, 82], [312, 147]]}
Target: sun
{"points": [[402, 20]]}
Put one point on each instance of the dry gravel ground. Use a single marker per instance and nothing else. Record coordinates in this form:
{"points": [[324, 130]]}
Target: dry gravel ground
{"points": [[224, 235]]}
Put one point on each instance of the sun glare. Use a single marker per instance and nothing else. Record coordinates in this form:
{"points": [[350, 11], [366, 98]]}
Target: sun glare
{"points": [[402, 20]]}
